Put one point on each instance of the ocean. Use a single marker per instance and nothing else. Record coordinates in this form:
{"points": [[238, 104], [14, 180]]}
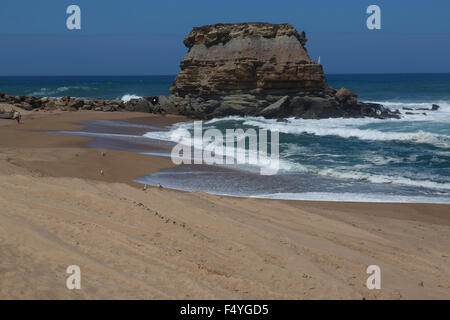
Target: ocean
{"points": [[106, 87], [395, 160]]}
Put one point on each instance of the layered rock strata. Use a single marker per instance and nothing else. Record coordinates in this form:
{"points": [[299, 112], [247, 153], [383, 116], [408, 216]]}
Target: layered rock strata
{"points": [[257, 69]]}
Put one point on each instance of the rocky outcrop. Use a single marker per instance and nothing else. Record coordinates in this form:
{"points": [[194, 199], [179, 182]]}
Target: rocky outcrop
{"points": [[257, 69], [304, 106], [247, 58], [74, 104]]}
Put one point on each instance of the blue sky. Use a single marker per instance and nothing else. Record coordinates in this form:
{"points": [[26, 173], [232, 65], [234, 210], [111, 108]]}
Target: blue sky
{"points": [[140, 37]]}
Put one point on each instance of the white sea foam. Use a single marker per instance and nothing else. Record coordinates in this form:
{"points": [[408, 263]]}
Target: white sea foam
{"points": [[339, 173], [127, 97], [348, 128], [174, 134], [443, 104], [385, 179], [363, 129], [353, 197], [440, 115], [50, 92], [177, 135]]}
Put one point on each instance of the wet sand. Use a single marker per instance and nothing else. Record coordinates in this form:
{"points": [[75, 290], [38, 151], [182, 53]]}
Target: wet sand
{"points": [[59, 210]]}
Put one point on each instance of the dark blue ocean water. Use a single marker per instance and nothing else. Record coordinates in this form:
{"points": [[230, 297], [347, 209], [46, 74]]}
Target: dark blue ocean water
{"points": [[377, 87], [106, 87], [395, 87], [330, 159]]}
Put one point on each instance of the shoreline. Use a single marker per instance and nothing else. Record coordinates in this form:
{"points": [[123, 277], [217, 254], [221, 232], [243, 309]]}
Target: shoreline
{"points": [[163, 243], [138, 126], [52, 122], [184, 177], [33, 133]]}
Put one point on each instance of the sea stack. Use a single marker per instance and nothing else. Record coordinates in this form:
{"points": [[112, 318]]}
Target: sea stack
{"points": [[254, 58], [257, 69]]}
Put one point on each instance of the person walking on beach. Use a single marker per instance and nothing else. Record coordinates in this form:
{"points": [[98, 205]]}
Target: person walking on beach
{"points": [[17, 116]]}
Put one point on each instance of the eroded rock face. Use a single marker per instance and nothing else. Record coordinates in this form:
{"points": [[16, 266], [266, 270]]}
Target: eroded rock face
{"points": [[257, 69], [255, 58]]}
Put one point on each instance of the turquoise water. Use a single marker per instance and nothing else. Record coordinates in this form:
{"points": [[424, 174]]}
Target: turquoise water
{"points": [[331, 159]]}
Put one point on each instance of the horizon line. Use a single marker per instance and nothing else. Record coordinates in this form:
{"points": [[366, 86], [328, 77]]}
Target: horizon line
{"points": [[173, 75]]}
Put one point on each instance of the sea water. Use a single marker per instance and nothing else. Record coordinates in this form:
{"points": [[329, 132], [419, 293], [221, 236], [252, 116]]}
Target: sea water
{"points": [[395, 160]]}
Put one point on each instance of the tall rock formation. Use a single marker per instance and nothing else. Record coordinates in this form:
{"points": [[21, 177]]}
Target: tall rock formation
{"points": [[257, 69], [255, 58]]}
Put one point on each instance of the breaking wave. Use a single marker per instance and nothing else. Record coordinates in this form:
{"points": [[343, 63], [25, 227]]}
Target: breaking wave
{"points": [[401, 147], [127, 97], [348, 128]]}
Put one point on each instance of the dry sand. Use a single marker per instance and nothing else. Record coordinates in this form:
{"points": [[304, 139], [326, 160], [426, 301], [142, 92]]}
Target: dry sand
{"points": [[57, 210]]}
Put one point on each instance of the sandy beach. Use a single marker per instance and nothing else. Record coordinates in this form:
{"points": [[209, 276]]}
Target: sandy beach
{"points": [[58, 210]]}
